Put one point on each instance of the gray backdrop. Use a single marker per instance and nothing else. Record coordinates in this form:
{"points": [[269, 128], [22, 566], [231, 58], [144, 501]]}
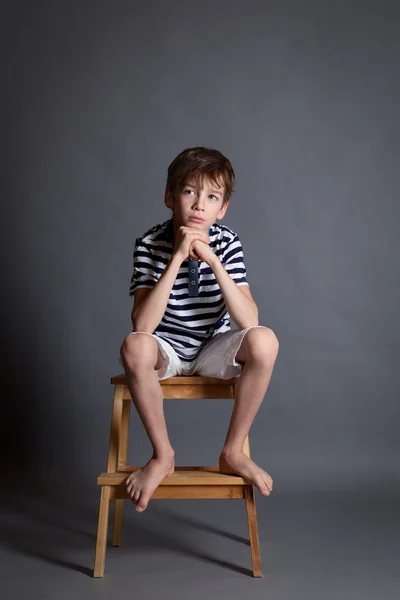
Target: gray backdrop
{"points": [[100, 100], [303, 98]]}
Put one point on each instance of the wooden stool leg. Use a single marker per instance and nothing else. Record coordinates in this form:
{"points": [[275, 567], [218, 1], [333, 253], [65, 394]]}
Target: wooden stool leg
{"points": [[117, 530], [102, 528], [123, 447], [253, 530], [115, 431], [123, 440]]}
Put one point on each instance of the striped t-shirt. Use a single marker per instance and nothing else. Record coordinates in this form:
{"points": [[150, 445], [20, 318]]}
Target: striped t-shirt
{"points": [[196, 309]]}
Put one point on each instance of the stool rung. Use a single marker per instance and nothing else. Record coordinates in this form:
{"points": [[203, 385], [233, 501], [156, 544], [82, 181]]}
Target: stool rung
{"points": [[178, 492], [181, 476]]}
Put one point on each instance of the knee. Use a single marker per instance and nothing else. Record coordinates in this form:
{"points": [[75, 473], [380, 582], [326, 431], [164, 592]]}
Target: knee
{"points": [[263, 344], [137, 349]]}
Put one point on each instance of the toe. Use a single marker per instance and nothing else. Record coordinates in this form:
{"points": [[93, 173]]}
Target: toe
{"points": [[268, 480], [142, 504], [260, 483]]}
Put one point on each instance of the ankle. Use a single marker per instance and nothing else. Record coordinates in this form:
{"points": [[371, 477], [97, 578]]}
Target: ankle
{"points": [[230, 451], [164, 452]]}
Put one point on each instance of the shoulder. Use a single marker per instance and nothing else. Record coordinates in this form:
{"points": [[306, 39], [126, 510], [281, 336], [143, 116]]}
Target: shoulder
{"points": [[152, 234], [224, 241], [222, 235], [154, 240]]}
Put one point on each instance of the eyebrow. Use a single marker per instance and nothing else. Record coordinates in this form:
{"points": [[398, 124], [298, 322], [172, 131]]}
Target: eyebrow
{"points": [[194, 187]]}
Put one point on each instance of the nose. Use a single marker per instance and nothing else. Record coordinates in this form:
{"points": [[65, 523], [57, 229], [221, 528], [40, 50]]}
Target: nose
{"points": [[199, 202]]}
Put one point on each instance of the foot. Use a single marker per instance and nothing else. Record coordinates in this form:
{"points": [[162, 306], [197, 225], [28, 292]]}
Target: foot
{"points": [[142, 483], [240, 464]]}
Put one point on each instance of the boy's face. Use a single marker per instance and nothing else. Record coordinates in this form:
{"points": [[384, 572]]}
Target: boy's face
{"points": [[204, 203]]}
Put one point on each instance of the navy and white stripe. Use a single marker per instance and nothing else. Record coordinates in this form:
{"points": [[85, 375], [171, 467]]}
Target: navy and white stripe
{"points": [[188, 321]]}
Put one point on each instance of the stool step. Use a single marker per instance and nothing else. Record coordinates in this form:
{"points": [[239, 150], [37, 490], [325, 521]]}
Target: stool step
{"points": [[181, 476]]}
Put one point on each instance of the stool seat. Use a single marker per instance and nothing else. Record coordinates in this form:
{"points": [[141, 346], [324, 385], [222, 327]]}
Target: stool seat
{"points": [[181, 380], [188, 482], [190, 388]]}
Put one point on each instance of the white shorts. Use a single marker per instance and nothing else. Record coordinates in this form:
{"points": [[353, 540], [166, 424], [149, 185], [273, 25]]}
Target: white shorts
{"points": [[216, 359]]}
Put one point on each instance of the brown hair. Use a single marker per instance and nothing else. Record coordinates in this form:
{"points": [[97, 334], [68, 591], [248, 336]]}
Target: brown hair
{"points": [[198, 163]]}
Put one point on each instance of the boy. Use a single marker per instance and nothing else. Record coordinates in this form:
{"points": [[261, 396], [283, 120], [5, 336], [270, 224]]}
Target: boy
{"points": [[188, 280]]}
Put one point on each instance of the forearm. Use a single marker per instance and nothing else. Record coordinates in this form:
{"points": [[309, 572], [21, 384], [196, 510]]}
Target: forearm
{"points": [[150, 311], [242, 309]]}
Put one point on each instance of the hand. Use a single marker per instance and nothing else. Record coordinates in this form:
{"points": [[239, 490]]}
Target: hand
{"points": [[185, 237], [201, 251]]}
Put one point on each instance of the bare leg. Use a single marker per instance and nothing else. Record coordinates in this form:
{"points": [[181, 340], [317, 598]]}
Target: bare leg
{"points": [[140, 357], [258, 353]]}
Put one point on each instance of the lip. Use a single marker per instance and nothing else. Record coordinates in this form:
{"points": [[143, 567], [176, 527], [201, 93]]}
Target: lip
{"points": [[197, 219]]}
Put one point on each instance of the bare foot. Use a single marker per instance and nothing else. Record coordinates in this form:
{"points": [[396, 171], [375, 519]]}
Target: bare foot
{"points": [[240, 464], [142, 483]]}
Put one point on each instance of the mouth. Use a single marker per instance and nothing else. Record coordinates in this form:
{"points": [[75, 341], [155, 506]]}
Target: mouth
{"points": [[196, 219]]}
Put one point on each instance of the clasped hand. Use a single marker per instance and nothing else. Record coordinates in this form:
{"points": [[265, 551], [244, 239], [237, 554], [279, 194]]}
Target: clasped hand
{"points": [[194, 244], [201, 251]]}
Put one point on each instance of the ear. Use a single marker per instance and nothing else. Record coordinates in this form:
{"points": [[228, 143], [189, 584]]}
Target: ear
{"points": [[223, 210], [168, 200]]}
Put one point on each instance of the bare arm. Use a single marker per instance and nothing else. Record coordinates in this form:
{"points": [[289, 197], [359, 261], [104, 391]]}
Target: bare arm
{"points": [[238, 299], [147, 314]]}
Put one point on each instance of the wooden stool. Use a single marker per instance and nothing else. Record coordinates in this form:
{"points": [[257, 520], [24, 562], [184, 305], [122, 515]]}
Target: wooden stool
{"points": [[185, 482]]}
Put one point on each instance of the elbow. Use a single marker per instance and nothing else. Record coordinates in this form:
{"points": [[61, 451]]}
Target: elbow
{"points": [[136, 324], [246, 324], [140, 327], [254, 322]]}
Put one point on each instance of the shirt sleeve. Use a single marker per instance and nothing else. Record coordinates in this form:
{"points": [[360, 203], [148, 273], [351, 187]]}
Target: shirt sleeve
{"points": [[144, 273], [233, 261]]}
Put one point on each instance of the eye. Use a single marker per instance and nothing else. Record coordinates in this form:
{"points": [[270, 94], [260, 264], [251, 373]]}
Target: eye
{"points": [[212, 196], [187, 191]]}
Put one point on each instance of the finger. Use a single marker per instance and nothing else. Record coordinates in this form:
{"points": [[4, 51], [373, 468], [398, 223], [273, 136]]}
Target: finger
{"points": [[198, 238], [202, 237], [192, 248], [205, 236], [195, 233]]}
